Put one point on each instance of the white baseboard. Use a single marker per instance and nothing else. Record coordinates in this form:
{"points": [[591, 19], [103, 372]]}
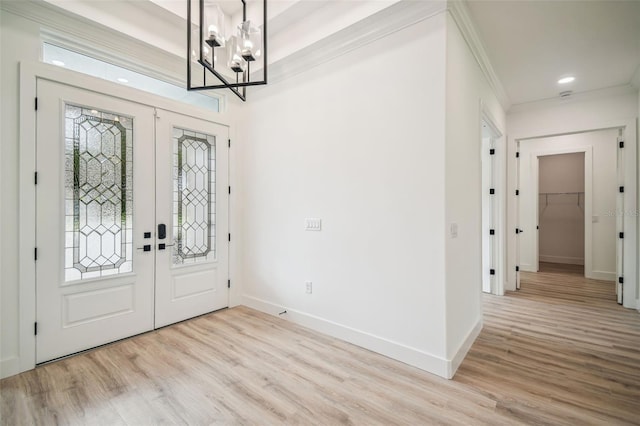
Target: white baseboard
{"points": [[527, 268], [464, 348], [601, 275], [412, 356], [562, 259], [9, 367]]}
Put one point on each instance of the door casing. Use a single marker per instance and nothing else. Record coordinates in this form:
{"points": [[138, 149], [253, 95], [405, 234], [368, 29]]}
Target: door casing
{"points": [[29, 73]]}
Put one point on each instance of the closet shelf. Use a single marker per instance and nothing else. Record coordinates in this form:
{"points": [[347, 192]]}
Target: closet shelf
{"points": [[547, 194]]}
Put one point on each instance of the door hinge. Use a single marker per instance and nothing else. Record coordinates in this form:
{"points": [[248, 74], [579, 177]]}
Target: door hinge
{"points": [[517, 231], [517, 154], [229, 190], [35, 253], [621, 235], [492, 231], [621, 280], [229, 236], [517, 192], [36, 103], [517, 269], [621, 189], [228, 283], [35, 178], [492, 151], [35, 328], [492, 271], [229, 141], [492, 191], [621, 144]]}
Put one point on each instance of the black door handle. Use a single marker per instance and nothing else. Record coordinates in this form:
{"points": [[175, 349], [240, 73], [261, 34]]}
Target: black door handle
{"points": [[162, 231]]}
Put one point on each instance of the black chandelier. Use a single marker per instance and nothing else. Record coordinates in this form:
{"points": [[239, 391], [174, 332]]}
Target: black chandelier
{"points": [[210, 53]]}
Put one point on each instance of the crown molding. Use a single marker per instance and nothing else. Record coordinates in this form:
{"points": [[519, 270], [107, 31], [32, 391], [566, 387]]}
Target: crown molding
{"points": [[609, 92], [391, 19], [66, 29], [460, 13]]}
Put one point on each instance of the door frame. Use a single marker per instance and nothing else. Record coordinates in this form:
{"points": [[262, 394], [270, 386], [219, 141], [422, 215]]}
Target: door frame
{"points": [[30, 72], [628, 127], [588, 205], [499, 172]]}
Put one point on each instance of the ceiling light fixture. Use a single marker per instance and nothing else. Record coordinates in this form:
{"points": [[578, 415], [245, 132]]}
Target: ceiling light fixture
{"points": [[210, 53], [122, 80], [566, 80], [57, 62]]}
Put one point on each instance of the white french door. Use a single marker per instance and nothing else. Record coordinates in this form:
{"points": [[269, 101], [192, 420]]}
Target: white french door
{"points": [[101, 261], [192, 207]]}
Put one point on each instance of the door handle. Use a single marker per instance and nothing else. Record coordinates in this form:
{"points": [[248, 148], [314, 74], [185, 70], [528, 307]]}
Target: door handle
{"points": [[162, 246], [162, 231], [146, 247]]}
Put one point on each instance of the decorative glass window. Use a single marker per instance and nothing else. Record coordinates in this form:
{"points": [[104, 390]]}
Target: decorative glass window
{"points": [[98, 193], [193, 196]]}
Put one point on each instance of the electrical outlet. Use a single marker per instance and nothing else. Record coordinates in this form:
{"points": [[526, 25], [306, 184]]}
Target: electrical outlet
{"points": [[308, 287]]}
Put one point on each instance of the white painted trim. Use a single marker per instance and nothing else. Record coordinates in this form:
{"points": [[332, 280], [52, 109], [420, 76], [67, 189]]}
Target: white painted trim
{"points": [[65, 29], [29, 73], [99, 85], [500, 175], [603, 275], [9, 367], [389, 348], [631, 183], [460, 13], [588, 203], [389, 20], [562, 259], [461, 353], [27, 223], [608, 92]]}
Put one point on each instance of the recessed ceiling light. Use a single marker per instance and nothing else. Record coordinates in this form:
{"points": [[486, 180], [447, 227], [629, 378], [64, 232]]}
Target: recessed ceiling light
{"points": [[57, 62], [122, 80], [566, 80]]}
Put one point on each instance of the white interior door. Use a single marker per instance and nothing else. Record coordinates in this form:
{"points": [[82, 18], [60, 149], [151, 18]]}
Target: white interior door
{"points": [[620, 208], [518, 215], [488, 230], [94, 280], [192, 216]]}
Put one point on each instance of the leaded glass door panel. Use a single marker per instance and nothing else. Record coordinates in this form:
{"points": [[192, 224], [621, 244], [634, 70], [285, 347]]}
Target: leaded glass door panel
{"points": [[192, 206], [95, 202]]}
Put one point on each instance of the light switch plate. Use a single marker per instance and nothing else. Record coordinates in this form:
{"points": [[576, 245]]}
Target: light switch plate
{"points": [[453, 230], [313, 224]]}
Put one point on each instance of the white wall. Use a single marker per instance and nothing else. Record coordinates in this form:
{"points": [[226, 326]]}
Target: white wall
{"points": [[20, 41], [466, 88], [357, 142], [561, 215], [555, 117]]}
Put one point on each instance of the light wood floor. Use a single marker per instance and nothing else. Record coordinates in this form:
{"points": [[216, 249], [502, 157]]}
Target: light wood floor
{"points": [[543, 357]]}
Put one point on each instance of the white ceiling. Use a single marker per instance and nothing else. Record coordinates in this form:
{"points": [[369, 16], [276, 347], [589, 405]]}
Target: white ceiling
{"points": [[533, 43], [530, 43]]}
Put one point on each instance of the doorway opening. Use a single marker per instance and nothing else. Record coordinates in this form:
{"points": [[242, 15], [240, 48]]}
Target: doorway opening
{"points": [[571, 208], [492, 264], [561, 214]]}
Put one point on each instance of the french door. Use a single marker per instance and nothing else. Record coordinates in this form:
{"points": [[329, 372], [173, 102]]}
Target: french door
{"points": [[129, 204], [191, 211]]}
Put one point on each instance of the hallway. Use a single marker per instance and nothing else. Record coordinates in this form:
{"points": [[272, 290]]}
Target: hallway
{"points": [[560, 350]]}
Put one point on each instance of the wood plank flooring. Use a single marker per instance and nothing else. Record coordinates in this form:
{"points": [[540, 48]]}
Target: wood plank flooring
{"points": [[543, 357]]}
